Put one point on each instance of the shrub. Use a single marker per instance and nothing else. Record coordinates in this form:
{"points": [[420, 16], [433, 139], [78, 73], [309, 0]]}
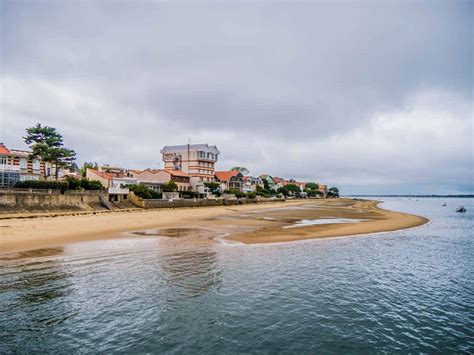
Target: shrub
{"points": [[73, 183], [240, 194], [170, 186], [42, 184], [212, 185], [188, 194], [144, 192], [251, 195], [91, 184]]}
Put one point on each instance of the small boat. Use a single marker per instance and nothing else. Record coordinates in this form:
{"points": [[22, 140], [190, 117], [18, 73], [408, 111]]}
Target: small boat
{"points": [[444, 205], [461, 210]]}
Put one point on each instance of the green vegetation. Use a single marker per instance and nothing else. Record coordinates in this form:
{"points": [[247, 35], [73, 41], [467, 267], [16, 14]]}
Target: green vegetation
{"points": [[237, 193], [312, 189], [266, 186], [312, 186], [240, 169], [170, 186], [251, 195], [47, 144], [333, 192], [212, 185], [293, 189], [144, 192], [69, 184], [43, 184], [265, 192], [284, 191]]}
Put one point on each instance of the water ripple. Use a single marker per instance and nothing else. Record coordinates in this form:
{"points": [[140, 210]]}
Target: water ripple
{"points": [[407, 291]]}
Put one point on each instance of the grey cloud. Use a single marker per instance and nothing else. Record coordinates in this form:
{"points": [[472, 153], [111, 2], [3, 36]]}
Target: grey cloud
{"points": [[287, 71]]}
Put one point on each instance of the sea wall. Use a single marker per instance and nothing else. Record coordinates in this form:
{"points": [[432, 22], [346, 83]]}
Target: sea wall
{"points": [[30, 200], [195, 203]]}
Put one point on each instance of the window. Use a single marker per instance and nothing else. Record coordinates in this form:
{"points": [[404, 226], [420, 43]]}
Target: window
{"points": [[23, 163], [3, 160], [36, 164]]}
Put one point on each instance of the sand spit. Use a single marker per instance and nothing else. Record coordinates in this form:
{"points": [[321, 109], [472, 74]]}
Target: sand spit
{"points": [[242, 223]]}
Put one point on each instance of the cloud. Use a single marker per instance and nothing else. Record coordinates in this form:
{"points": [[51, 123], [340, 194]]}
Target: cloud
{"points": [[368, 96]]}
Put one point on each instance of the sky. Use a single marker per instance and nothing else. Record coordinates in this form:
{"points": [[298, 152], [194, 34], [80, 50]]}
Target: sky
{"points": [[375, 97]]}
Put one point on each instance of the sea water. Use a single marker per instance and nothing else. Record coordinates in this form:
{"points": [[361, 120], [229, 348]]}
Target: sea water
{"points": [[404, 291]]}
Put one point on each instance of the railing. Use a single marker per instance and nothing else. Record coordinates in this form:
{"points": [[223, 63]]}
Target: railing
{"points": [[118, 190], [9, 167]]}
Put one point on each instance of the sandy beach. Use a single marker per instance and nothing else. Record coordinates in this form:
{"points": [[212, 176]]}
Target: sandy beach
{"points": [[265, 223]]}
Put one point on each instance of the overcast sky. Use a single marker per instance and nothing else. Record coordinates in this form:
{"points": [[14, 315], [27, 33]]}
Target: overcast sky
{"points": [[374, 97]]}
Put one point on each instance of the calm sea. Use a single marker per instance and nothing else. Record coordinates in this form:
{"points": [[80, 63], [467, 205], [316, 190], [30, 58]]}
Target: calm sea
{"points": [[406, 291]]}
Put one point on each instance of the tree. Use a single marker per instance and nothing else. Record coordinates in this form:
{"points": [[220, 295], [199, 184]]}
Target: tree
{"points": [[333, 192], [240, 169], [266, 185], [294, 189], [312, 186], [284, 191], [212, 185], [47, 144], [312, 189], [170, 186], [88, 165]]}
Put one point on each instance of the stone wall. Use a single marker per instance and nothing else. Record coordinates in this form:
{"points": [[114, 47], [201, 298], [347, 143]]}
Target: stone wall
{"points": [[198, 203], [11, 201]]}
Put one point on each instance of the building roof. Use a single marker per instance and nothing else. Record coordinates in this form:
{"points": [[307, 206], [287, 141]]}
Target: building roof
{"points": [[225, 175], [20, 153], [277, 180], [102, 174], [4, 150], [176, 172], [204, 147]]}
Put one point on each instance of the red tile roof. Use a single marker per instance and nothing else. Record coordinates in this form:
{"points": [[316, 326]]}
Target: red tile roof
{"points": [[4, 150], [102, 174], [225, 175], [176, 173]]}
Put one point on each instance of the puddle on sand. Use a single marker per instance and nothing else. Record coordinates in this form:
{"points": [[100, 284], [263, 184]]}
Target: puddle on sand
{"points": [[314, 222], [179, 233]]}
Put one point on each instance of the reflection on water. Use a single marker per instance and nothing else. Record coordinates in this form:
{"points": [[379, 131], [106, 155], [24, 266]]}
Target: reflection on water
{"points": [[191, 273], [35, 286], [407, 291]]}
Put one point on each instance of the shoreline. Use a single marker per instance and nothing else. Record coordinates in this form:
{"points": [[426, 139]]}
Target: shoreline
{"points": [[248, 224]]}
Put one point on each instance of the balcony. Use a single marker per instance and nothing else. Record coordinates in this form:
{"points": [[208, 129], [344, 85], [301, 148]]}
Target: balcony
{"points": [[207, 159], [118, 191], [9, 167]]}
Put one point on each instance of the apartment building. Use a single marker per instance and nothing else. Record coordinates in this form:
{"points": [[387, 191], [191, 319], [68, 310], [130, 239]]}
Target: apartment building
{"points": [[16, 165], [196, 160]]}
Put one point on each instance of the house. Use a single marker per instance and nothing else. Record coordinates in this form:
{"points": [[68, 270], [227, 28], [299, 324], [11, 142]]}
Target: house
{"points": [[250, 183], [229, 180], [279, 182], [268, 179], [196, 160], [114, 183], [181, 179], [149, 178], [323, 189], [16, 165]]}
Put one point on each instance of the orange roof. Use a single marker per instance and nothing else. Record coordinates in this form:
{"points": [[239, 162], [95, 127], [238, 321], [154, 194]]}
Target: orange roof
{"points": [[102, 174], [277, 179], [176, 173], [225, 175], [4, 150]]}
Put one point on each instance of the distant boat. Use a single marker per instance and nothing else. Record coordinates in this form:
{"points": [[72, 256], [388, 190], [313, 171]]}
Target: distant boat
{"points": [[461, 209], [444, 205]]}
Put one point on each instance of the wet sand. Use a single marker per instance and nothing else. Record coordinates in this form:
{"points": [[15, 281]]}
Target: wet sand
{"points": [[264, 223]]}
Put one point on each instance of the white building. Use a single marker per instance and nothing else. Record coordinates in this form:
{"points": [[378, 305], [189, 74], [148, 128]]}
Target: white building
{"points": [[196, 160]]}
